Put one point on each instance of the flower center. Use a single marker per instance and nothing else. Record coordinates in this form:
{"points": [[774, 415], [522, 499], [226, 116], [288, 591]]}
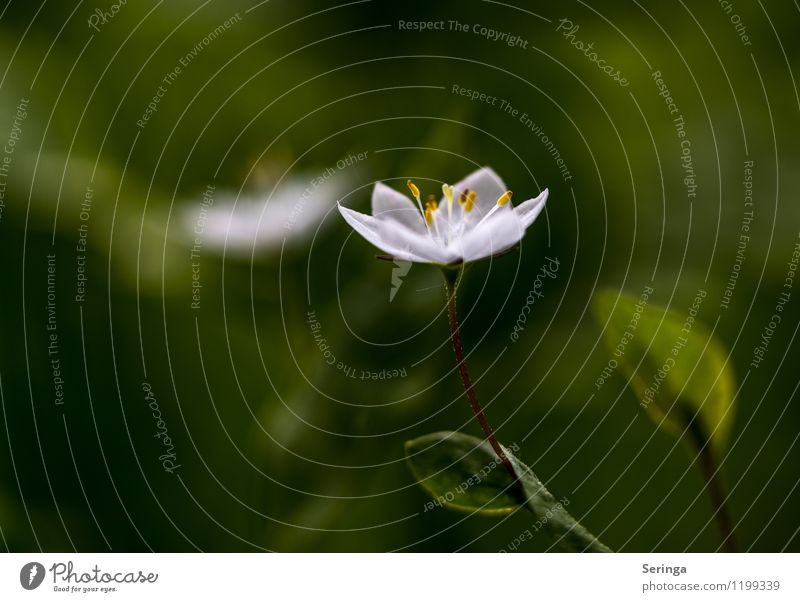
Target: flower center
{"points": [[443, 228]]}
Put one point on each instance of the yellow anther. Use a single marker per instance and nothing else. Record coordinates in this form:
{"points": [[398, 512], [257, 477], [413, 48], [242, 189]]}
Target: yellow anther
{"points": [[469, 204], [462, 198], [430, 206], [448, 192], [504, 198], [413, 188], [429, 215], [448, 195]]}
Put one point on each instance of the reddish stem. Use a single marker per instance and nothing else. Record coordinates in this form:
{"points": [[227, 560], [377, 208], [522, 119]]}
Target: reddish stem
{"points": [[711, 473], [710, 470], [450, 278]]}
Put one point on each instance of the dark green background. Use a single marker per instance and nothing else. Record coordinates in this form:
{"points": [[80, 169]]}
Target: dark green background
{"points": [[279, 451]]}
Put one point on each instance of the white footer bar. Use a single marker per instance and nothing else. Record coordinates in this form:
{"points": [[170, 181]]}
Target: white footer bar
{"points": [[400, 577]]}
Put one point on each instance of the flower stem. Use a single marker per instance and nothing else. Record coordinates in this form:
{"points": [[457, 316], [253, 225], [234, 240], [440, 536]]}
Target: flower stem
{"points": [[716, 493], [450, 277], [712, 476]]}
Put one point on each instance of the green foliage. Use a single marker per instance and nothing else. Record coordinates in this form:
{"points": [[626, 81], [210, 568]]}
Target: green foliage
{"points": [[677, 369], [299, 92], [463, 472]]}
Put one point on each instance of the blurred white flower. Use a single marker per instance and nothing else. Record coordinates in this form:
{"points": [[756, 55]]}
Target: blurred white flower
{"points": [[473, 220], [240, 224]]}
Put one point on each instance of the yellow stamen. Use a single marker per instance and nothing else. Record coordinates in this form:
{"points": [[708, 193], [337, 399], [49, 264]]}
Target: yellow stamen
{"points": [[469, 204], [430, 206], [462, 198], [413, 188], [448, 194], [504, 198]]}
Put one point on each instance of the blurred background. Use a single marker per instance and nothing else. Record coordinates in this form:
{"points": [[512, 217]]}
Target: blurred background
{"points": [[176, 278]]}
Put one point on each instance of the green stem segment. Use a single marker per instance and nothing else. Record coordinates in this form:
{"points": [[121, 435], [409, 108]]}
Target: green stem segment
{"points": [[713, 478], [716, 493], [451, 277]]}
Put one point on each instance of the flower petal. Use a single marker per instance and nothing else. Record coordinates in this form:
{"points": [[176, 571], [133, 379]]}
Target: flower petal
{"points": [[487, 185], [387, 203], [528, 211], [240, 224], [494, 235], [395, 239]]}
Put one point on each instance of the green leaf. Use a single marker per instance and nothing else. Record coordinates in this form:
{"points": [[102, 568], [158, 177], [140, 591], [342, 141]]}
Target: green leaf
{"points": [[459, 473], [678, 370], [463, 472]]}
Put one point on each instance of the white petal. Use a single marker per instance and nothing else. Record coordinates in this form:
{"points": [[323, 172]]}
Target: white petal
{"points": [[441, 226], [530, 209], [240, 224], [495, 235], [395, 239], [487, 185], [387, 203]]}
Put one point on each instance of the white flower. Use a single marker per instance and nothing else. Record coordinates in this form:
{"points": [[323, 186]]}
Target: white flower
{"points": [[247, 223], [472, 221]]}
